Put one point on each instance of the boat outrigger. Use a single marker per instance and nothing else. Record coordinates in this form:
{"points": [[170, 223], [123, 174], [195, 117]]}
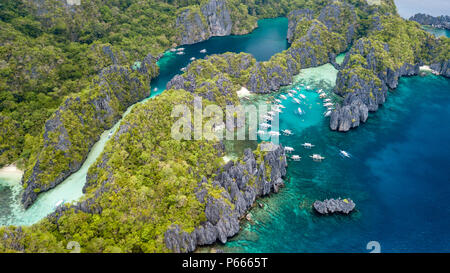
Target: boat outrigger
{"points": [[273, 133], [283, 97], [300, 111], [203, 51], [327, 114], [296, 158], [192, 59], [308, 145], [328, 104], [317, 157], [302, 96], [297, 100], [277, 100], [287, 132]]}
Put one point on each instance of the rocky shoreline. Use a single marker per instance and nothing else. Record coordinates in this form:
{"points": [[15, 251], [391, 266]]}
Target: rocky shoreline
{"points": [[243, 182], [96, 110], [366, 76]]}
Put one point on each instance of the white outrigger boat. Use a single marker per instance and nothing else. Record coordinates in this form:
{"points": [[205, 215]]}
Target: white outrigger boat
{"points": [[327, 100], [287, 132], [273, 133], [289, 149], [183, 69], [294, 91], [265, 125], [277, 100], [317, 157], [302, 96], [59, 203], [155, 89], [300, 111], [180, 53], [180, 49], [297, 100], [291, 95], [307, 145], [296, 158], [192, 59], [327, 114], [281, 106], [272, 113], [344, 154], [283, 97], [203, 51], [322, 95], [328, 104], [308, 87]]}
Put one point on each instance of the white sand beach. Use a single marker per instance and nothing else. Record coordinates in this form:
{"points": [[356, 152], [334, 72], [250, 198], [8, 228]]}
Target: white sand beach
{"points": [[243, 92], [11, 172]]}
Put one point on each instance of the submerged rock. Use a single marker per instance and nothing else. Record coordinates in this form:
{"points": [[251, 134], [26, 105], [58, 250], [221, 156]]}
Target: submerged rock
{"points": [[330, 206]]}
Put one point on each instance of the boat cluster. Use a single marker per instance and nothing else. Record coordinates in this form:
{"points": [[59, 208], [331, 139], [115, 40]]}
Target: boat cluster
{"points": [[297, 97]]}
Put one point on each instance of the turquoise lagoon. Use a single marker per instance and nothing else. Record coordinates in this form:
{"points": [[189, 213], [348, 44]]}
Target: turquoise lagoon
{"points": [[398, 174]]}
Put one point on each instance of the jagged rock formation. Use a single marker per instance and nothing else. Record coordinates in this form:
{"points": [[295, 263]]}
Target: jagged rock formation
{"points": [[442, 21], [314, 41], [294, 19], [242, 183], [373, 66], [214, 18], [75, 127], [214, 77], [330, 206]]}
